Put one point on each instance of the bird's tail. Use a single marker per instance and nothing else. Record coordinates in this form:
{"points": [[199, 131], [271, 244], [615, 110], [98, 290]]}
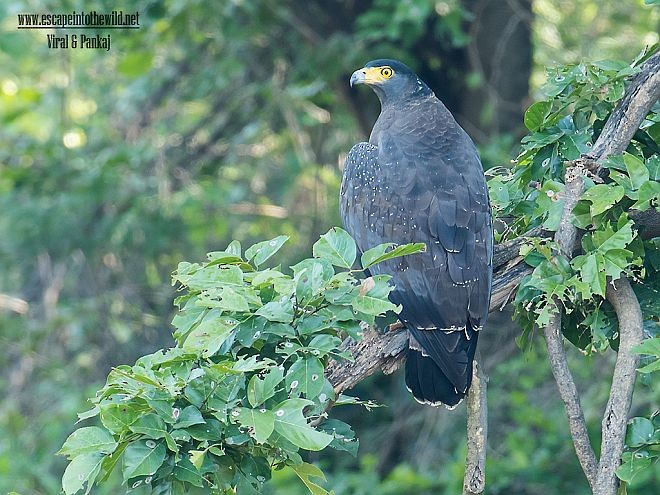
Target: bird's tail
{"points": [[429, 385]]}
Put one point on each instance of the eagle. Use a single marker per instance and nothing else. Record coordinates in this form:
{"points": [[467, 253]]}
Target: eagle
{"points": [[420, 179]]}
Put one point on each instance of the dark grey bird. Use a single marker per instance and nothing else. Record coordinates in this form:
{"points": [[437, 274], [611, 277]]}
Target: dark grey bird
{"points": [[419, 179]]}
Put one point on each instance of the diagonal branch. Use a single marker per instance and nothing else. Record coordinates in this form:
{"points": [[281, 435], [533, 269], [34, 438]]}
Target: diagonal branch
{"points": [[566, 237], [615, 418]]}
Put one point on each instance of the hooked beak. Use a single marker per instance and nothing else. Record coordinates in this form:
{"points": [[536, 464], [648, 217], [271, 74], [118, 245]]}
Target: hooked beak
{"points": [[358, 77]]}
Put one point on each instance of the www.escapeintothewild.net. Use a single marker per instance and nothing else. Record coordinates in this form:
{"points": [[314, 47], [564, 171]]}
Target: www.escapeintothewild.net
{"points": [[117, 19]]}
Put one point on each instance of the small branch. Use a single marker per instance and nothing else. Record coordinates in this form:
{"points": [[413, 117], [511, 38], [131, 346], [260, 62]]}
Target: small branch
{"points": [[474, 480], [570, 397], [615, 418]]}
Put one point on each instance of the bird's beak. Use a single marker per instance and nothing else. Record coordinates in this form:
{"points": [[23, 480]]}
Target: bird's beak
{"points": [[359, 77]]}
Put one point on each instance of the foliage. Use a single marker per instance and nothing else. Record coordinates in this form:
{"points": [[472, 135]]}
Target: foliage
{"points": [[244, 390], [579, 99], [563, 127]]}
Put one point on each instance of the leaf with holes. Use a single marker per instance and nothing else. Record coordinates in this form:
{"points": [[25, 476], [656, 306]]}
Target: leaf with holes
{"points": [[536, 114], [260, 422], [210, 334], [305, 376], [292, 425], [142, 458], [262, 251], [81, 471], [259, 390]]}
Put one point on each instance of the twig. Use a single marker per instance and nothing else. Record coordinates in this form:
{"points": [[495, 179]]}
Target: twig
{"points": [[629, 314], [474, 480]]}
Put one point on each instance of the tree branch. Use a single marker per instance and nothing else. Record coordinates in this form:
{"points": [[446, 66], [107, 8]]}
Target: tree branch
{"points": [[615, 418], [474, 480], [565, 236]]}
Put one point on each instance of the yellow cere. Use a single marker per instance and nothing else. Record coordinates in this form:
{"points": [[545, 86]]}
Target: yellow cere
{"points": [[377, 74]]}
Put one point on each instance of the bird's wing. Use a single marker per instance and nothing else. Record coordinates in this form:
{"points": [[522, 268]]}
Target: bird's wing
{"points": [[407, 190]]}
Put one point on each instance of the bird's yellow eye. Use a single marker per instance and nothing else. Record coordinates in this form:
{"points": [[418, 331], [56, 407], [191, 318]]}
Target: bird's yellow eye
{"points": [[386, 72]]}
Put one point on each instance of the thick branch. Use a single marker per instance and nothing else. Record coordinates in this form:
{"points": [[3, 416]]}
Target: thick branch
{"points": [[615, 418], [474, 480]]}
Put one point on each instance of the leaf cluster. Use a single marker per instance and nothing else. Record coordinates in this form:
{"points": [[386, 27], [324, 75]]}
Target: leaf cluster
{"points": [[243, 392], [578, 100]]}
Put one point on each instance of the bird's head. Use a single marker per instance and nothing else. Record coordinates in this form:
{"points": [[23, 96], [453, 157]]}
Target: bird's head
{"points": [[391, 80]]}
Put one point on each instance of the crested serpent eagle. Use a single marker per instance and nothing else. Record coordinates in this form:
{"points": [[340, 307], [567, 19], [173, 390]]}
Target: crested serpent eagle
{"points": [[419, 179]]}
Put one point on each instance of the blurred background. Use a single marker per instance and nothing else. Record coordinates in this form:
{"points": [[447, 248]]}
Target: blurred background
{"points": [[231, 120]]}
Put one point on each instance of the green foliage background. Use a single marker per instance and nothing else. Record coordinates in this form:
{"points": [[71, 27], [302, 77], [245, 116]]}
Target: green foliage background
{"points": [[230, 121]]}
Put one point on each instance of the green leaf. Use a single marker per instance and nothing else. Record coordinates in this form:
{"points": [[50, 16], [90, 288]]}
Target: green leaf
{"points": [[260, 422], [292, 425], [81, 471], [649, 194], [210, 334], [639, 432], [118, 417], [189, 416], [536, 114], [608, 239], [382, 252], [142, 458], [336, 246], [653, 166], [197, 458], [602, 197], [373, 305], [262, 251], [636, 169], [306, 376], [187, 472], [649, 347], [150, 425], [651, 367], [87, 440], [344, 436], [280, 311], [261, 389], [630, 469], [305, 471], [211, 429], [592, 272]]}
